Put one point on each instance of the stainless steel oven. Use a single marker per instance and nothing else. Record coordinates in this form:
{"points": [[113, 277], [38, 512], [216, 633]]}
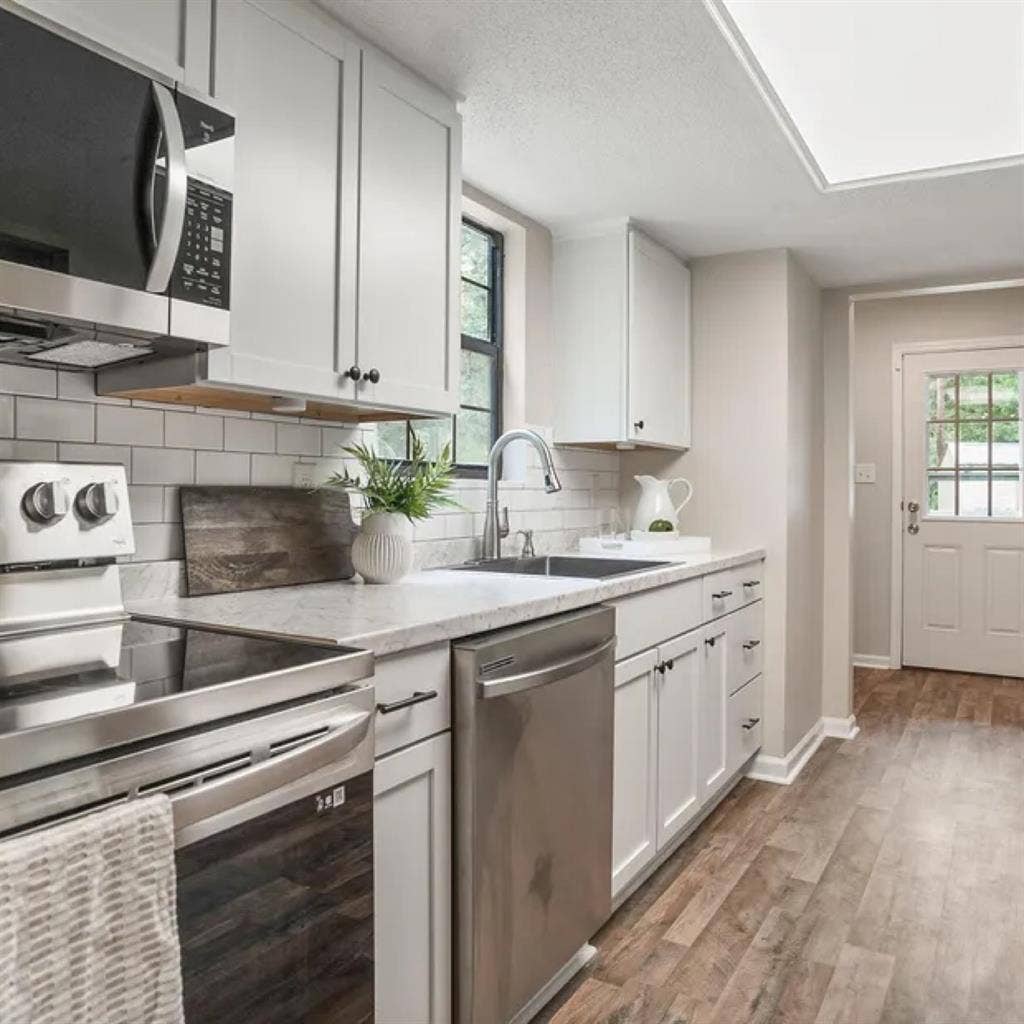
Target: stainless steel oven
{"points": [[115, 207], [272, 798]]}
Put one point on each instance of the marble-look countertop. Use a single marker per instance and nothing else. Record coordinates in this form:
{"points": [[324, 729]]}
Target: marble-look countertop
{"points": [[423, 608]]}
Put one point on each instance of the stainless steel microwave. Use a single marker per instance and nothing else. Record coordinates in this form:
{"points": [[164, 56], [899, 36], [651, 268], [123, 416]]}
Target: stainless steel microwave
{"points": [[115, 207]]}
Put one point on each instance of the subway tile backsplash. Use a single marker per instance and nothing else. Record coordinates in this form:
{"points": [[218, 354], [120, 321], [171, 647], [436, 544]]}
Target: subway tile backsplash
{"points": [[56, 416]]}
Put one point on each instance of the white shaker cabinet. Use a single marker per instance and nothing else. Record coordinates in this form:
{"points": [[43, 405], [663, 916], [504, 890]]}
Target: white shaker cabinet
{"points": [[623, 349], [712, 708], [678, 688], [410, 201], [413, 883], [296, 161], [634, 822], [171, 37]]}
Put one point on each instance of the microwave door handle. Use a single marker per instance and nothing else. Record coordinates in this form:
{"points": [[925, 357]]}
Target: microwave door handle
{"points": [[172, 223], [212, 798]]}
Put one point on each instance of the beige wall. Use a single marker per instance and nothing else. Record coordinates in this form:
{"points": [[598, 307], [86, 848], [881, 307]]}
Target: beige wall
{"points": [[837, 623], [878, 326], [756, 459], [805, 515]]}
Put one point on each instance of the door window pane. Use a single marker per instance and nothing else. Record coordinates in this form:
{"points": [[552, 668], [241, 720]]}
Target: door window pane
{"points": [[942, 445], [974, 451], [942, 398], [942, 494]]}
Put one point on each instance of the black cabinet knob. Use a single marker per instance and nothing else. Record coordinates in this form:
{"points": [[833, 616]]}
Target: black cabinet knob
{"points": [[638, 425], [372, 375], [353, 373], [710, 641]]}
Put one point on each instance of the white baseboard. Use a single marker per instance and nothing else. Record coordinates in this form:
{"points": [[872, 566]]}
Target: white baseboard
{"points": [[871, 661], [576, 963], [841, 728], [783, 770]]}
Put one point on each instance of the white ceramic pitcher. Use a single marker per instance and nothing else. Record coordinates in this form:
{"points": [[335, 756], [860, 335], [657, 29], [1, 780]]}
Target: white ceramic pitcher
{"points": [[656, 501]]}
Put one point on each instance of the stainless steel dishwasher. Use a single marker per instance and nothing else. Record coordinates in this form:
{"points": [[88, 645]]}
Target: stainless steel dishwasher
{"points": [[533, 808]]}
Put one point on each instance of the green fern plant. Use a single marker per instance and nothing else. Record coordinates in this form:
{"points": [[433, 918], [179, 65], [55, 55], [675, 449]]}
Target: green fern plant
{"points": [[414, 488]]}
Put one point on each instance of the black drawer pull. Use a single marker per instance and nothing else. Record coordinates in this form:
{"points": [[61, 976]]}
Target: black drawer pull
{"points": [[710, 641], [751, 644], [751, 583], [722, 595], [750, 723], [418, 697]]}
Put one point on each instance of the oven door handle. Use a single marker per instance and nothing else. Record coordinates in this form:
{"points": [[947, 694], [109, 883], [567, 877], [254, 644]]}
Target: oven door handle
{"points": [[212, 798], [172, 223]]}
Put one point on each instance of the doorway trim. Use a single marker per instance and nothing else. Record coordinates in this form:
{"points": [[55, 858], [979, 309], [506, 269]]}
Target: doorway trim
{"points": [[900, 350]]}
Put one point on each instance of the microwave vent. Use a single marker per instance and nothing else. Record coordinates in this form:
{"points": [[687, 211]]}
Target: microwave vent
{"points": [[90, 354]]}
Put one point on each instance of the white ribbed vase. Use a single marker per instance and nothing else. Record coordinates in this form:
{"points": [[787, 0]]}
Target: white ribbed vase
{"points": [[382, 550]]}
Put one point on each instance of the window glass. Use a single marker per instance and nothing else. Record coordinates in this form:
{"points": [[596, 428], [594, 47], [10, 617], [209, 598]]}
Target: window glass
{"points": [[974, 450]]}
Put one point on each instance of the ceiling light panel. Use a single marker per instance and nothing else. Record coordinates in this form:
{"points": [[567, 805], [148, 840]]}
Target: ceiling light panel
{"points": [[877, 89]]}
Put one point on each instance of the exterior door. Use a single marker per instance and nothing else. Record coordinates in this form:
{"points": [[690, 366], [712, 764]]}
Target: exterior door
{"points": [[963, 511], [678, 686]]}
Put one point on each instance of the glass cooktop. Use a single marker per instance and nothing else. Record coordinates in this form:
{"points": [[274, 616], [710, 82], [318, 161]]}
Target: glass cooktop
{"points": [[50, 677]]}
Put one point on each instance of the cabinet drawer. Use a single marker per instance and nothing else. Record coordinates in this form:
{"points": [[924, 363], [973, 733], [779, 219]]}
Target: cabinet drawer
{"points": [[647, 619], [746, 644], [744, 723], [725, 591], [397, 678]]}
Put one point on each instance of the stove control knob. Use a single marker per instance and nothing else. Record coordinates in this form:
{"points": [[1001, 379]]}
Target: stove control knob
{"points": [[96, 502], [46, 502]]}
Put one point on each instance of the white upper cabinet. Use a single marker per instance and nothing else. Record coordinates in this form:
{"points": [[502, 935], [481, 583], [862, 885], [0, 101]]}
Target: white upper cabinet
{"points": [[407, 338], [171, 37], [622, 341], [296, 108]]}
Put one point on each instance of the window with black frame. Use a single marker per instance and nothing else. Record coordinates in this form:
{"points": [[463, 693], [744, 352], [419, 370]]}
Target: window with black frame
{"points": [[476, 426]]}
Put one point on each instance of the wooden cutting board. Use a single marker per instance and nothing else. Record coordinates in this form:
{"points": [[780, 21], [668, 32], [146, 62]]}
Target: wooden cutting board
{"points": [[249, 538]]}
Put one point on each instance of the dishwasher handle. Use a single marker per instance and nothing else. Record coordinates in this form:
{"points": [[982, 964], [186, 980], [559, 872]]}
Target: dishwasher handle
{"points": [[552, 673]]}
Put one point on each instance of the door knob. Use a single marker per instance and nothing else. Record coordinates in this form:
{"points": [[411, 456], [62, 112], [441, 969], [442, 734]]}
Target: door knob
{"points": [[372, 375], [353, 373], [913, 508]]}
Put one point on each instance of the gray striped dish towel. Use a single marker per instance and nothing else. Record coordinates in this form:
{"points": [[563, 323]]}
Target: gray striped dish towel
{"points": [[88, 932]]}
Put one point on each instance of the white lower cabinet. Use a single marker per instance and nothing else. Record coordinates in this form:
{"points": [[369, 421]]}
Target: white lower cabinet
{"points": [[683, 728], [634, 829], [712, 703], [678, 687], [412, 855]]}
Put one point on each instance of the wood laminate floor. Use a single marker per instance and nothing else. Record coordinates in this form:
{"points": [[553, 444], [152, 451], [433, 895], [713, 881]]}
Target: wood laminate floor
{"points": [[885, 885]]}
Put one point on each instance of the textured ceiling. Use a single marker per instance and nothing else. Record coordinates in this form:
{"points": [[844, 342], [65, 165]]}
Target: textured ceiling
{"points": [[581, 110]]}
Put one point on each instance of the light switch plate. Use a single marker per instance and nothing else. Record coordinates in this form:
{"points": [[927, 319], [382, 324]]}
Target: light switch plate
{"points": [[864, 473]]}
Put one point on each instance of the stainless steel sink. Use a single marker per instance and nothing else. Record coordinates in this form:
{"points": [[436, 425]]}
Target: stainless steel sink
{"points": [[563, 565]]}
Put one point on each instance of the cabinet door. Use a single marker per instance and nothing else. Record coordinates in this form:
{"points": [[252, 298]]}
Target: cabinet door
{"points": [[659, 346], [409, 241], [171, 37], [712, 708], [412, 884], [296, 108], [634, 831], [678, 684]]}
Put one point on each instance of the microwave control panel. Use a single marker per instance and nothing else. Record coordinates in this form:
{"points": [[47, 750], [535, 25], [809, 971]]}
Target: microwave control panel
{"points": [[202, 273]]}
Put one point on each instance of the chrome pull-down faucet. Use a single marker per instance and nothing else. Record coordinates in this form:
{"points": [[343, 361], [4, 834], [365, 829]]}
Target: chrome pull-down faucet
{"points": [[493, 529]]}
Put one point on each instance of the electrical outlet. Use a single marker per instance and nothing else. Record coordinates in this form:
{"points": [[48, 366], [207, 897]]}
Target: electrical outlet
{"points": [[864, 473]]}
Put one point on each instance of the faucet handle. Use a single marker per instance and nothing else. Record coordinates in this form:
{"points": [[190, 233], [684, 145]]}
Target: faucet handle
{"points": [[527, 536], [503, 527]]}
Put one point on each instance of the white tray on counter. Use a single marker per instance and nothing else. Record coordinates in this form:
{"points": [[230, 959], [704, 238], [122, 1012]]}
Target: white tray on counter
{"points": [[666, 546]]}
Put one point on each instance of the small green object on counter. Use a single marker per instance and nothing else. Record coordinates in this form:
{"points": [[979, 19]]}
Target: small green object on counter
{"points": [[660, 526]]}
